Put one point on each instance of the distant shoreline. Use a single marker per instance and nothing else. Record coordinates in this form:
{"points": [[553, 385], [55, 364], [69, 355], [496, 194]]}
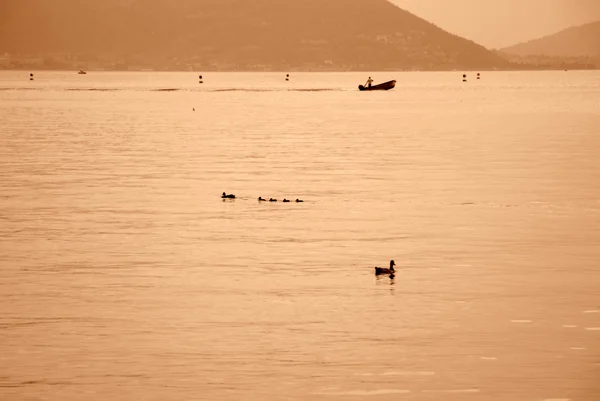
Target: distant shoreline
{"points": [[207, 70]]}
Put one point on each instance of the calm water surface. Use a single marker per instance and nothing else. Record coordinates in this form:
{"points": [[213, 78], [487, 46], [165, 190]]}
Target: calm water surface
{"points": [[124, 276]]}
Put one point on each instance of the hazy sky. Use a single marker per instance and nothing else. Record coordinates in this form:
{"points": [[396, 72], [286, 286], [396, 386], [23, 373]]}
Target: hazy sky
{"points": [[499, 23]]}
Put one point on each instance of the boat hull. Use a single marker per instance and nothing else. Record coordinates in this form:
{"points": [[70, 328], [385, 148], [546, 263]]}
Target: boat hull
{"points": [[386, 86]]}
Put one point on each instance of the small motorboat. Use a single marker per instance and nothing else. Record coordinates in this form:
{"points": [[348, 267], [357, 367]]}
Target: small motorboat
{"points": [[386, 86]]}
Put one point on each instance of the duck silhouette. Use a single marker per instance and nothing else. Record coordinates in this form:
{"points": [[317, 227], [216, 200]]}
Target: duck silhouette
{"points": [[299, 201], [379, 271], [286, 201], [226, 196], [272, 200], [260, 199]]}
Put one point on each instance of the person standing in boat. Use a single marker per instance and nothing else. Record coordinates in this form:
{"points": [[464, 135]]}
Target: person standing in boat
{"points": [[369, 82]]}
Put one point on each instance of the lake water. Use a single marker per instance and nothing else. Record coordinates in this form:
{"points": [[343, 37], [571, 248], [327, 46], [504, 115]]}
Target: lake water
{"points": [[124, 276]]}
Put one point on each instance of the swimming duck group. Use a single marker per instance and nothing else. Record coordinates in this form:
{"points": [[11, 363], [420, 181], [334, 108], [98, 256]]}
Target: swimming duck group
{"points": [[379, 271], [260, 199], [225, 195]]}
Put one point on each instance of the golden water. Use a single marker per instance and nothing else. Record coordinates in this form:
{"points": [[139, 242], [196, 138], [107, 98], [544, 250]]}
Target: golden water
{"points": [[124, 276]]}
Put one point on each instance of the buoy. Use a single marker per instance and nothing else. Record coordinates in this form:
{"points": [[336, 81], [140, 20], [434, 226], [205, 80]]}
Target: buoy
{"points": [[31, 77], [287, 77], [478, 76], [200, 81], [464, 77]]}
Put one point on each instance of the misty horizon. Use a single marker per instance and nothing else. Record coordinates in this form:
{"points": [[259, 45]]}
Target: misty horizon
{"points": [[308, 35], [502, 24]]}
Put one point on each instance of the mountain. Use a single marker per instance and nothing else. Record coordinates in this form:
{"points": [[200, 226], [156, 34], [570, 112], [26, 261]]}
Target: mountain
{"points": [[231, 35], [581, 41]]}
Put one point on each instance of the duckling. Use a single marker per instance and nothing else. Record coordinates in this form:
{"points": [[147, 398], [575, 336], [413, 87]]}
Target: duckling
{"points": [[286, 201], [226, 196], [272, 200], [299, 201], [260, 199], [382, 270]]}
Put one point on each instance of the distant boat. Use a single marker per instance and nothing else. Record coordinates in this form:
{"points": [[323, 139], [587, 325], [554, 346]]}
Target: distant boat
{"points": [[81, 72], [386, 86]]}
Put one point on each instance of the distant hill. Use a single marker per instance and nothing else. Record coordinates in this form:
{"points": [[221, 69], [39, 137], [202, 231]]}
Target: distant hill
{"points": [[230, 35], [581, 41]]}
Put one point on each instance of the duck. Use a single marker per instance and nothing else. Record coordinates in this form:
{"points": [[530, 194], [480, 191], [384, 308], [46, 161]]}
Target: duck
{"points": [[299, 201], [286, 201], [260, 199], [272, 200], [382, 270], [226, 196]]}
